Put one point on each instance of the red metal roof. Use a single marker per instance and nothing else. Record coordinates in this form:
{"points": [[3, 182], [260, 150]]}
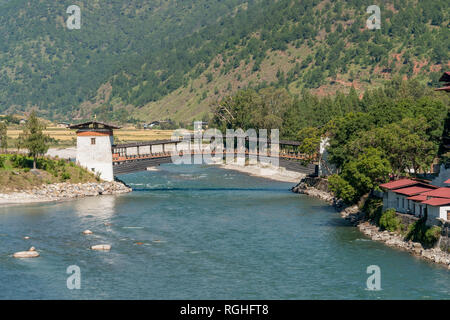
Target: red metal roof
{"points": [[412, 190], [437, 201], [440, 193], [418, 198], [398, 184], [447, 181]]}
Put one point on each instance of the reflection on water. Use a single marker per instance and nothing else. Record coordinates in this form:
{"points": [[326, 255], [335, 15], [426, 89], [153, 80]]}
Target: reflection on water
{"points": [[194, 232], [101, 207]]}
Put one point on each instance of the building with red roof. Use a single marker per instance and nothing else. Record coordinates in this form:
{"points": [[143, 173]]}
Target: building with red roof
{"points": [[418, 198], [439, 193], [397, 195], [437, 202], [411, 191], [398, 184]]}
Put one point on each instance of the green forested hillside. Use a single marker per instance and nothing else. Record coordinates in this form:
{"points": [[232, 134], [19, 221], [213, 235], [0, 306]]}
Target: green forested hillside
{"points": [[174, 59], [44, 64]]}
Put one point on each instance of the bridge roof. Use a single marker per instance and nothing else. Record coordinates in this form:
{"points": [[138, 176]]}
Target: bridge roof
{"points": [[94, 125], [143, 143], [155, 142]]}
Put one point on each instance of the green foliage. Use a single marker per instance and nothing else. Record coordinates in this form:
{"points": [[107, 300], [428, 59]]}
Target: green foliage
{"points": [[432, 235], [389, 221], [310, 143], [367, 171], [33, 137], [403, 120], [342, 189], [360, 176], [249, 109], [65, 176], [373, 208], [151, 48], [2, 161], [420, 232], [20, 161], [3, 136]]}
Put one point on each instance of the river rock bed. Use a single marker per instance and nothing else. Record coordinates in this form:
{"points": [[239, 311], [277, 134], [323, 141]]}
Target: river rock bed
{"points": [[316, 187], [62, 191]]}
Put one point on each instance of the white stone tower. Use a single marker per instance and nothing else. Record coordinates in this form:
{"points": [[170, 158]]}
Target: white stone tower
{"points": [[94, 143]]}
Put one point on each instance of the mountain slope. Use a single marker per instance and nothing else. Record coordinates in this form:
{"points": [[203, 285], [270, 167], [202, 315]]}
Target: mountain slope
{"points": [[199, 51], [46, 65]]}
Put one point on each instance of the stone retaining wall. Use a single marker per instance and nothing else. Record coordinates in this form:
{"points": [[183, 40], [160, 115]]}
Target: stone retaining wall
{"points": [[407, 219]]}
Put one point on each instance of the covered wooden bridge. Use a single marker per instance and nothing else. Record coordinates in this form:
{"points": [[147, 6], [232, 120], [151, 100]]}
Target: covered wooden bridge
{"points": [[138, 156]]}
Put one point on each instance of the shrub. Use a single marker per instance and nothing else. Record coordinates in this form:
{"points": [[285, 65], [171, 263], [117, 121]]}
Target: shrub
{"points": [[65, 176], [390, 221], [61, 163], [2, 161], [373, 208], [432, 235], [19, 161], [420, 232], [342, 189]]}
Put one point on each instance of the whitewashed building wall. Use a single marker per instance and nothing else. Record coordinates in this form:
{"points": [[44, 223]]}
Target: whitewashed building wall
{"points": [[96, 157]]}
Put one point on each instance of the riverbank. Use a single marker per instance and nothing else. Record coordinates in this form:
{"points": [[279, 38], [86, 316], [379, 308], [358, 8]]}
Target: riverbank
{"points": [[318, 188], [266, 171], [62, 191]]}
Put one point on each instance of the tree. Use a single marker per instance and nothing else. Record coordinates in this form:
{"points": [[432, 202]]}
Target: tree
{"points": [[33, 139], [3, 136], [406, 144], [342, 189], [360, 175], [310, 142], [367, 171]]}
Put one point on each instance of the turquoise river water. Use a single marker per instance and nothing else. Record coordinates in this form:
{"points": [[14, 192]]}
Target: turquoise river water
{"points": [[197, 232]]}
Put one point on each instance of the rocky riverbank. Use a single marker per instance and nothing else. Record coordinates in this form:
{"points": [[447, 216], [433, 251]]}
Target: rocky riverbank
{"points": [[318, 188], [62, 191], [395, 240]]}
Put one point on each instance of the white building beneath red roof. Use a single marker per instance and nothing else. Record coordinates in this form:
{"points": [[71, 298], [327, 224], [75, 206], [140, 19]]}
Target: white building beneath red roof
{"points": [[418, 198]]}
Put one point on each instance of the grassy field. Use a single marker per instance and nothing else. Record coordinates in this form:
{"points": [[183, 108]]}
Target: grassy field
{"points": [[67, 137]]}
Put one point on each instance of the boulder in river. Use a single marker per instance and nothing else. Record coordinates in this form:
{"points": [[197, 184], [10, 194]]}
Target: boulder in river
{"points": [[101, 247], [31, 253]]}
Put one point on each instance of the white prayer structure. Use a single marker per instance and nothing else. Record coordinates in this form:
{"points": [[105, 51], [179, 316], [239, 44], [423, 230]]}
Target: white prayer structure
{"points": [[94, 147]]}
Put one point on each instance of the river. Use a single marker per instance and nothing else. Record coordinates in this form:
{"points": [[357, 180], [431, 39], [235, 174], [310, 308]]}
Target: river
{"points": [[196, 232]]}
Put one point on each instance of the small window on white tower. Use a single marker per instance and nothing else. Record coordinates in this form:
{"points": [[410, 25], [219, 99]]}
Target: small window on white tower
{"points": [[92, 140]]}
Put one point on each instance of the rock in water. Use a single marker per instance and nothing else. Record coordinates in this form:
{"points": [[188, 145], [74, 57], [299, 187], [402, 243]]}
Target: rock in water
{"points": [[87, 232], [101, 247], [32, 253]]}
